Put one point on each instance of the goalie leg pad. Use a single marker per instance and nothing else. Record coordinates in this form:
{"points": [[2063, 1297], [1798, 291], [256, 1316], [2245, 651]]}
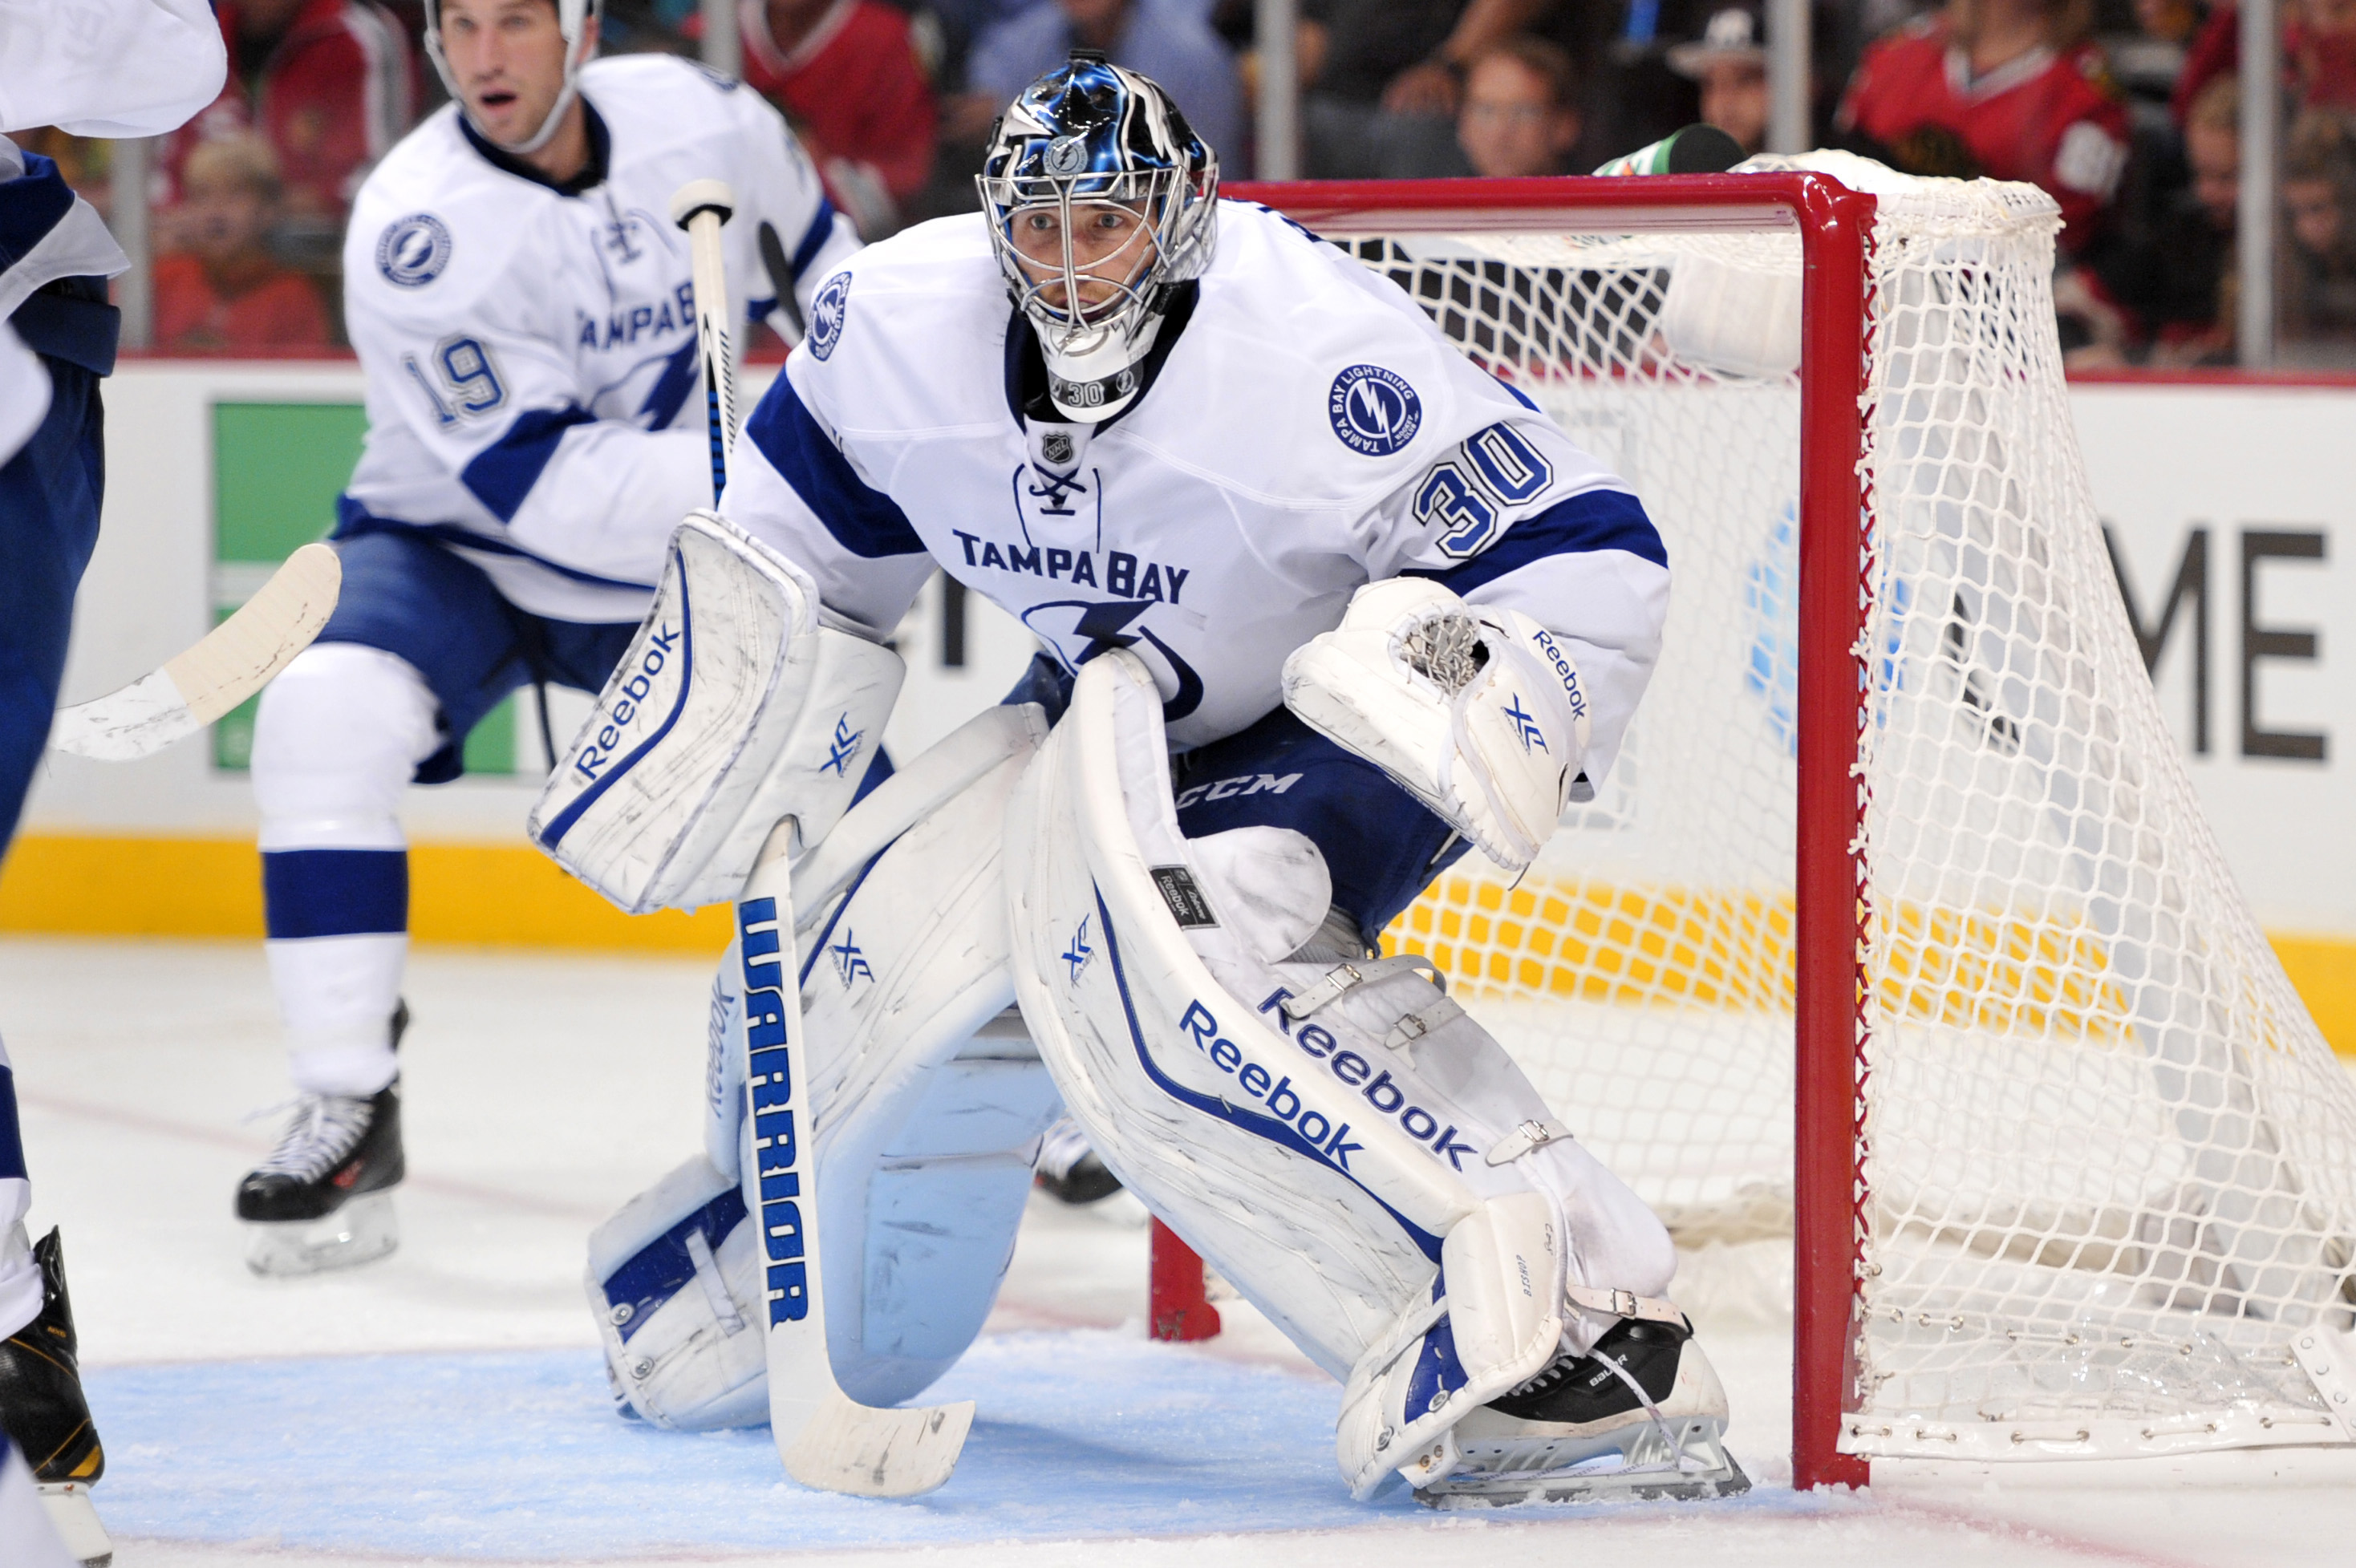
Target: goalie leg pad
{"points": [[929, 1110], [671, 1279], [733, 709], [1326, 1135]]}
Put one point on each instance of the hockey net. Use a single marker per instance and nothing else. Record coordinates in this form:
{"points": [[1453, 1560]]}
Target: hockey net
{"points": [[1897, 831]]}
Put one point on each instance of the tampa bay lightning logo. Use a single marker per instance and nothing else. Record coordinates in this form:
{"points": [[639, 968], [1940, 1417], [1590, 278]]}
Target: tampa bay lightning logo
{"points": [[1066, 155], [1374, 411], [1098, 627], [413, 250], [826, 314]]}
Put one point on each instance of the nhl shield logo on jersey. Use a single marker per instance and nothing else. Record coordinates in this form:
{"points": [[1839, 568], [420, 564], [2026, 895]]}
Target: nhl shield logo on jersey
{"points": [[1374, 411], [826, 314], [413, 250]]}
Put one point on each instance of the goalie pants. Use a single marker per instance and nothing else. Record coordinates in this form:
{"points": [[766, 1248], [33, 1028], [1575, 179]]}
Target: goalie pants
{"points": [[421, 648], [1381, 847], [49, 494]]}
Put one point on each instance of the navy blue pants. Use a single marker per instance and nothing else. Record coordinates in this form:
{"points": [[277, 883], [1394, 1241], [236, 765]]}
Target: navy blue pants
{"points": [[1382, 847], [49, 494]]}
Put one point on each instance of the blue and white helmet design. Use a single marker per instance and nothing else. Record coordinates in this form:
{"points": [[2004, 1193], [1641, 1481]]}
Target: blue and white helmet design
{"points": [[572, 19], [1077, 150]]}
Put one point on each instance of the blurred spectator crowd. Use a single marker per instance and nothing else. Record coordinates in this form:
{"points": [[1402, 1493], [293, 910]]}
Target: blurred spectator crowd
{"points": [[2126, 110]]}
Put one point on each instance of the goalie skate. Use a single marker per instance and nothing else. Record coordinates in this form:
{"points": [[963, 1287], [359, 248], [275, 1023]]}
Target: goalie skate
{"points": [[1642, 1417]]}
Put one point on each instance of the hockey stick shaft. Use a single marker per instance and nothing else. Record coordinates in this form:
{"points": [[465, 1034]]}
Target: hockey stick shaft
{"points": [[825, 1439], [231, 663], [701, 208]]}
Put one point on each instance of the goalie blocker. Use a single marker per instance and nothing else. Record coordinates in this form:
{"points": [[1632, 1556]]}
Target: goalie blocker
{"points": [[734, 709]]}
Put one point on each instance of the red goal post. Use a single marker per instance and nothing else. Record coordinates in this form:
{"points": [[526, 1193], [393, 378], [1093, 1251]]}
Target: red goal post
{"points": [[1835, 226]]}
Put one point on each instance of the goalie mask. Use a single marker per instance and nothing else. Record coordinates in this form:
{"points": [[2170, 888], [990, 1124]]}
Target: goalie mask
{"points": [[573, 20], [1101, 199]]}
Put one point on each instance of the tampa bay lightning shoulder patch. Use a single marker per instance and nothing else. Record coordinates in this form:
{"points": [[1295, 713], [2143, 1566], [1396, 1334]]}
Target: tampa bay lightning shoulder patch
{"points": [[1373, 412], [826, 314], [413, 250]]}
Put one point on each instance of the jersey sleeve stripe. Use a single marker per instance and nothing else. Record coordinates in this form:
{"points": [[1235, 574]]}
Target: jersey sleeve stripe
{"points": [[864, 521], [502, 473], [814, 237], [1590, 520]]}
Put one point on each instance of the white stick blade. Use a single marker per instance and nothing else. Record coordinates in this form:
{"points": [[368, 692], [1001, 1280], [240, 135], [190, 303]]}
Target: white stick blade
{"points": [[235, 660], [869, 1452]]}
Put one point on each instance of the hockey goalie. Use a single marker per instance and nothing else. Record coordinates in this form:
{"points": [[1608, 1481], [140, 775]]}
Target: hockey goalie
{"points": [[1322, 607]]}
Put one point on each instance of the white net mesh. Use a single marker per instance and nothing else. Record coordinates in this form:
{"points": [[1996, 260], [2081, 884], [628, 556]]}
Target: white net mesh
{"points": [[2112, 1165]]}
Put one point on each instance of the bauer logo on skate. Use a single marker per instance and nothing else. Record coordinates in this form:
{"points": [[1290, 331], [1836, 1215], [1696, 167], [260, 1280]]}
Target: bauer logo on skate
{"points": [[628, 707], [769, 1103]]}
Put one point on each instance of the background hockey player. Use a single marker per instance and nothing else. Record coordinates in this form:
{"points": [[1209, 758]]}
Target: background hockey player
{"points": [[1322, 605], [522, 304], [95, 68]]}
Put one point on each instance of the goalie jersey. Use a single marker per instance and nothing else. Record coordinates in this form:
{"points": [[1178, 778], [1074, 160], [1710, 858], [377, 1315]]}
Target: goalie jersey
{"points": [[530, 350], [1306, 431]]}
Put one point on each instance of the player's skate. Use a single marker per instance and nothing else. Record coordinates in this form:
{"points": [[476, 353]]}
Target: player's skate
{"points": [[1069, 1169], [44, 1412], [324, 1198], [1643, 1415]]}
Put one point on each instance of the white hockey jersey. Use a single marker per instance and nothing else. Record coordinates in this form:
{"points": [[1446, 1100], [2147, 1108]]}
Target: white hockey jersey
{"points": [[532, 354], [1308, 431]]}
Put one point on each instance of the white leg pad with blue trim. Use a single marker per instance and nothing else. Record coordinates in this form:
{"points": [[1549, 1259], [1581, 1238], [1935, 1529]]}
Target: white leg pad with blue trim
{"points": [[929, 1104], [1327, 1142]]}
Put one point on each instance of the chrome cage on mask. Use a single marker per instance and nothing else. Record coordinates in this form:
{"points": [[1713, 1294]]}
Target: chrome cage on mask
{"points": [[1179, 226]]}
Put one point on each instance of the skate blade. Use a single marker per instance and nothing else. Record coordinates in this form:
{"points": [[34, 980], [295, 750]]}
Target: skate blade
{"points": [[1645, 1470], [75, 1518], [362, 1231]]}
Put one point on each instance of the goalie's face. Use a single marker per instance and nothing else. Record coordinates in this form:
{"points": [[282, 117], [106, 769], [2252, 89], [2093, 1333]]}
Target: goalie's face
{"points": [[1101, 250]]}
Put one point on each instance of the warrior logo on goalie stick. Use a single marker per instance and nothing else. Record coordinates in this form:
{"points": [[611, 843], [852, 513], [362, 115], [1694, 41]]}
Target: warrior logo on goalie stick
{"points": [[769, 1096]]}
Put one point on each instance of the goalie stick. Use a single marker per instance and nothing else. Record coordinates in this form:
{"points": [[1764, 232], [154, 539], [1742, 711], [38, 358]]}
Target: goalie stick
{"points": [[235, 660], [701, 206], [826, 1440]]}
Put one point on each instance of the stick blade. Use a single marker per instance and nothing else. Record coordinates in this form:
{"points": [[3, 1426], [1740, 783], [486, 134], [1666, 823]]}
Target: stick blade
{"points": [[235, 660], [869, 1452]]}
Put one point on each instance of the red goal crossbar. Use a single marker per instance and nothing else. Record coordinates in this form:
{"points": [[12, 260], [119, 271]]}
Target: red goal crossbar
{"points": [[1835, 225]]}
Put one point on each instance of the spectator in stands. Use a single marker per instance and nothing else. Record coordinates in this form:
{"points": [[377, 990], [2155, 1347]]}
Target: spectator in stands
{"points": [[2177, 284], [1521, 109], [2319, 191], [1387, 82], [224, 292], [847, 76], [1729, 61], [2010, 88], [1168, 40], [329, 84]]}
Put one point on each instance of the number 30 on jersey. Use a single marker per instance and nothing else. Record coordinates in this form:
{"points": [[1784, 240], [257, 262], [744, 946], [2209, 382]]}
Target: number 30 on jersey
{"points": [[1464, 492]]}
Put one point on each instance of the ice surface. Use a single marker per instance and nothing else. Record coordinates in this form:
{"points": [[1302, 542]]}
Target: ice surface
{"points": [[447, 1404]]}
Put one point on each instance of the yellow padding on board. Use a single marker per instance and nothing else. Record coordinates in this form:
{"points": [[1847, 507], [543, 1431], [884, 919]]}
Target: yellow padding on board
{"points": [[1704, 947], [494, 893], [1590, 941]]}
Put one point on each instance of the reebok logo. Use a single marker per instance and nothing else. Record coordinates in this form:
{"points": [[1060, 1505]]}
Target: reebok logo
{"points": [[1382, 1092], [1275, 1093], [629, 704], [1564, 668]]}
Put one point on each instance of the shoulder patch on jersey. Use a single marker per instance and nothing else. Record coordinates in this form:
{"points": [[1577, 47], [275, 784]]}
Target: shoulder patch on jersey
{"points": [[1373, 412], [826, 314], [413, 250]]}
